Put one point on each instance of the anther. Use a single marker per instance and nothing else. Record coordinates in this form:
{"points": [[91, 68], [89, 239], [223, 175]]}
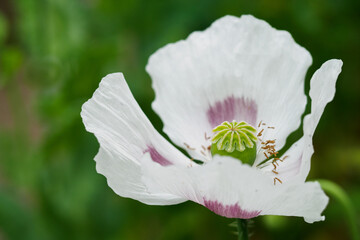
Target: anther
{"points": [[206, 137], [277, 179], [270, 141], [274, 165], [188, 146]]}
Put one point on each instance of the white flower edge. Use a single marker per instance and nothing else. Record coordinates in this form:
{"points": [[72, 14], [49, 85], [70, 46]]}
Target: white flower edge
{"points": [[234, 190], [137, 161], [238, 64], [322, 90], [125, 135]]}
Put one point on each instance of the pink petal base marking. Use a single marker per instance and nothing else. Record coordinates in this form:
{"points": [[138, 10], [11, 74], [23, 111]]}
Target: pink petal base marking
{"points": [[232, 108], [157, 157], [230, 211]]}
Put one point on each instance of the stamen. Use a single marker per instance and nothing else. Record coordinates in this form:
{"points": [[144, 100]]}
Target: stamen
{"points": [[206, 137], [268, 149], [274, 165], [275, 161], [277, 179], [188, 146]]}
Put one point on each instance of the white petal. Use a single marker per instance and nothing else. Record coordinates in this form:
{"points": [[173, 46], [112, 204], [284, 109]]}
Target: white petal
{"points": [[290, 167], [237, 69], [322, 90], [234, 190], [306, 200], [124, 177], [125, 135]]}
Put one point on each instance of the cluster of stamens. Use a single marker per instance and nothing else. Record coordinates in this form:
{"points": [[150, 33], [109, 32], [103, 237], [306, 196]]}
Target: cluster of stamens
{"points": [[231, 141], [268, 148], [205, 151]]}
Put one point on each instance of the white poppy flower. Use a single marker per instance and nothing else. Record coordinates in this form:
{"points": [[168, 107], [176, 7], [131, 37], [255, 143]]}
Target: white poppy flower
{"points": [[239, 69]]}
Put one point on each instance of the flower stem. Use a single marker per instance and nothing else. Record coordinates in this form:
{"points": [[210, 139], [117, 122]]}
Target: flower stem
{"points": [[242, 225], [340, 195]]}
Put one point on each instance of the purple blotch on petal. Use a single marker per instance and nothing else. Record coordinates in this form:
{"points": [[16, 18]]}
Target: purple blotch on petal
{"points": [[230, 211], [232, 108], [157, 157]]}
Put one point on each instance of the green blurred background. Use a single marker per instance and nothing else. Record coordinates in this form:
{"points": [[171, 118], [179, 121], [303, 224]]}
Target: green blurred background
{"points": [[53, 54]]}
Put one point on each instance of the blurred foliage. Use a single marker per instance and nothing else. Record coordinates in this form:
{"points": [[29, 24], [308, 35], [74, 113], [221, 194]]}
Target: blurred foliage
{"points": [[53, 54]]}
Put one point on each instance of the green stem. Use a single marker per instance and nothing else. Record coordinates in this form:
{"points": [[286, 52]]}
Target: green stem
{"points": [[242, 225], [339, 194]]}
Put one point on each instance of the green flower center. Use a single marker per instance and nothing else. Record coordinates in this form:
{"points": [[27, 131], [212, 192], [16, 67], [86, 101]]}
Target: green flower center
{"points": [[235, 139]]}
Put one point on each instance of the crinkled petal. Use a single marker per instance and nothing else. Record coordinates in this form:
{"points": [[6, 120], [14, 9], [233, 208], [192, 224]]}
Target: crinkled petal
{"points": [[322, 90], [125, 135], [124, 177], [288, 169], [234, 190], [238, 69]]}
